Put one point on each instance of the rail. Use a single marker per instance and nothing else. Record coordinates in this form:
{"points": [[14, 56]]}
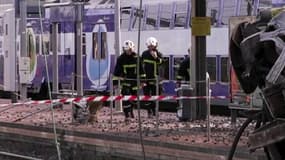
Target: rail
{"points": [[9, 154]]}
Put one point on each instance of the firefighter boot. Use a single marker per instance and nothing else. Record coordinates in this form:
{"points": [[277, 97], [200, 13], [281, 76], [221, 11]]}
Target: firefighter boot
{"points": [[93, 118], [132, 112]]}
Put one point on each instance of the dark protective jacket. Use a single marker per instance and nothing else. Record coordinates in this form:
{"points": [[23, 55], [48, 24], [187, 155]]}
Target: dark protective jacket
{"points": [[126, 68], [184, 70], [151, 64]]}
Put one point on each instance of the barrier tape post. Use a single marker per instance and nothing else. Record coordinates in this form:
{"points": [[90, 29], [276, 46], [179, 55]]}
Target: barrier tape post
{"points": [[118, 103], [208, 92], [157, 105], [72, 84], [72, 95], [111, 103]]}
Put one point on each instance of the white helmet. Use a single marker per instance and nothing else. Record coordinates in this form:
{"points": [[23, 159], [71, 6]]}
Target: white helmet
{"points": [[151, 41], [127, 45]]}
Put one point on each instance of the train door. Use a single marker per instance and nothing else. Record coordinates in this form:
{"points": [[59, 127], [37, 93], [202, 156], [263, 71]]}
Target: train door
{"points": [[97, 58]]}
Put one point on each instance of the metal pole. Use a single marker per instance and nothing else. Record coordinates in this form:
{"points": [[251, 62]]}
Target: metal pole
{"points": [[208, 92], [199, 53], [78, 49], [55, 59], [111, 103], [72, 84], [138, 82], [157, 106], [118, 104], [23, 34], [72, 95]]}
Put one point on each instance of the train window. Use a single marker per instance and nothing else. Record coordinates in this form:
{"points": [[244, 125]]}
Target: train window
{"points": [[84, 44], [224, 69], [99, 48], [135, 19], [176, 63], [151, 17], [30, 45], [164, 68], [45, 44], [6, 28], [59, 38], [94, 45], [165, 15], [68, 44], [180, 17], [37, 44], [211, 68], [104, 48], [125, 16]]}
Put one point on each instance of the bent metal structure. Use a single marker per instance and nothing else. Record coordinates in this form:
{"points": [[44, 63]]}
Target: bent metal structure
{"points": [[257, 51]]}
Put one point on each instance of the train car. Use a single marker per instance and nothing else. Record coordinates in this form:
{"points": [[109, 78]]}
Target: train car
{"points": [[172, 32]]}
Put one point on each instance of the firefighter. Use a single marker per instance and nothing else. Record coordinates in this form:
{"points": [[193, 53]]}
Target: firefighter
{"points": [[151, 58], [184, 70], [126, 70]]}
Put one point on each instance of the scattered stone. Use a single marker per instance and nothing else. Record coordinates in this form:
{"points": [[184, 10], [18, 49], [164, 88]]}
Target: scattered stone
{"points": [[169, 126], [175, 138]]}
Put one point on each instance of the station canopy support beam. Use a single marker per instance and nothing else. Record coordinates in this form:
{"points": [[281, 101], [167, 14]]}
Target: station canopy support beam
{"points": [[198, 61], [78, 49], [54, 38], [21, 13]]}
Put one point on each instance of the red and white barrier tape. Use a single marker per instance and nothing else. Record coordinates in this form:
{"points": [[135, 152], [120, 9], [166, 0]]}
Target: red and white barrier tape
{"points": [[113, 98]]}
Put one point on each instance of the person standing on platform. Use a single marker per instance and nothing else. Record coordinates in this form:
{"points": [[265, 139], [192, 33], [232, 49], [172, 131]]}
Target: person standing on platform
{"points": [[184, 70], [151, 58], [126, 70]]}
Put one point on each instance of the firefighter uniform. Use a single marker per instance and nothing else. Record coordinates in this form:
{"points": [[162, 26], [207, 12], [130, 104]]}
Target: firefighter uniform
{"points": [[151, 65], [184, 70], [126, 69]]}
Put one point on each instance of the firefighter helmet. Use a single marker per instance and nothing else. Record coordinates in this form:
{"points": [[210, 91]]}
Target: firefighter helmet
{"points": [[128, 45], [151, 41]]}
